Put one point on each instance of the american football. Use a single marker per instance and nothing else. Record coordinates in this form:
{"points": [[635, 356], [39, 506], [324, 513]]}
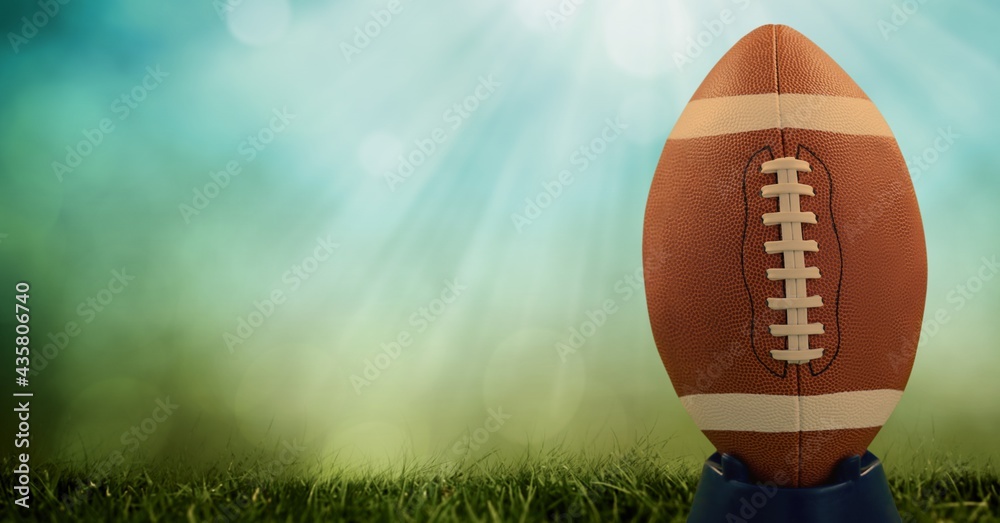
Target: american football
{"points": [[784, 260], [528, 261]]}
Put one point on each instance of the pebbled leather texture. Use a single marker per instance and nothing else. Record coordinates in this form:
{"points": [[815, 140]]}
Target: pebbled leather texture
{"points": [[706, 268]]}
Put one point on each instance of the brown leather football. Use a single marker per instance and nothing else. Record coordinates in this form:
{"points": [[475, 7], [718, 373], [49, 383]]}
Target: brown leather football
{"points": [[784, 260]]}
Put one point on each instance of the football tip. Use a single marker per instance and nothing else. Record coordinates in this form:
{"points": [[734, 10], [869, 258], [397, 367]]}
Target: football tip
{"points": [[777, 59]]}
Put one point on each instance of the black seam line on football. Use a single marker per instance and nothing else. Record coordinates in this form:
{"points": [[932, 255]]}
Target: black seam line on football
{"points": [[781, 134], [766, 363], [840, 251], [777, 88]]}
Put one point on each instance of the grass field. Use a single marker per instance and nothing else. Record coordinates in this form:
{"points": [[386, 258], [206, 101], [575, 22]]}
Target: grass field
{"points": [[556, 487]]}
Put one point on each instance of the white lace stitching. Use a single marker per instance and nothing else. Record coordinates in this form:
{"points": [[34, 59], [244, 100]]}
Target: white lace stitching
{"points": [[794, 273]]}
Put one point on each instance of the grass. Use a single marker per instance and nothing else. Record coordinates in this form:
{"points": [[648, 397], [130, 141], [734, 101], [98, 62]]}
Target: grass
{"points": [[630, 486]]}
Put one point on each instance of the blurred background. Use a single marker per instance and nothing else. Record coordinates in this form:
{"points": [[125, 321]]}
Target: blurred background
{"points": [[367, 232]]}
